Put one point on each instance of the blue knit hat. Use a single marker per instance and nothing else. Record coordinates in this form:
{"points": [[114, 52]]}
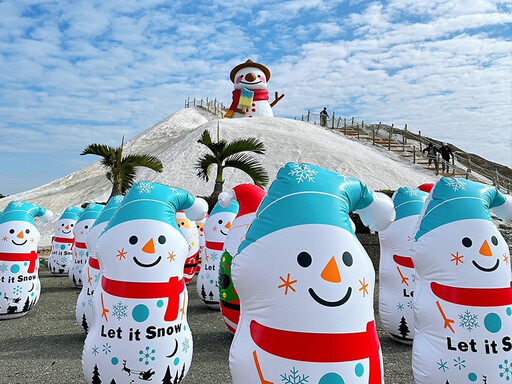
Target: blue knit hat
{"points": [[408, 201], [307, 194], [72, 213], [148, 200], [454, 199], [92, 211], [232, 208], [109, 210], [23, 211]]}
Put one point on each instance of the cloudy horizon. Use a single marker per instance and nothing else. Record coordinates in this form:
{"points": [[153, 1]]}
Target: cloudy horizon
{"points": [[76, 73]]}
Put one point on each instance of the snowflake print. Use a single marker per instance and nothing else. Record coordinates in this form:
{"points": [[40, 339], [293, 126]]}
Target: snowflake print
{"points": [[468, 321], [411, 192], [414, 277], [294, 377], [84, 303], [145, 187], [107, 348], [119, 310], [63, 260], [303, 173], [3, 267], [214, 256], [506, 367], [118, 199], [96, 277], [17, 290], [456, 185], [400, 307], [81, 253], [459, 363], [409, 304], [207, 275], [95, 350], [442, 365], [147, 356], [89, 302], [17, 204], [5, 238], [186, 345]]}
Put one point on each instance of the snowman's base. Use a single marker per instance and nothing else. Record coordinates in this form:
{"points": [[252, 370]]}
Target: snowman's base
{"points": [[406, 340], [12, 315]]}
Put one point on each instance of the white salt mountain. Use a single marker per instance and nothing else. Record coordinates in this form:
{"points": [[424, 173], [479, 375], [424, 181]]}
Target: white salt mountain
{"points": [[174, 142]]}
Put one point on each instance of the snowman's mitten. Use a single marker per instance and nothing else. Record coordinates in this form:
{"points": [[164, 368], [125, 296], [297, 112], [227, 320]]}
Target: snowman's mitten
{"points": [[379, 214]]}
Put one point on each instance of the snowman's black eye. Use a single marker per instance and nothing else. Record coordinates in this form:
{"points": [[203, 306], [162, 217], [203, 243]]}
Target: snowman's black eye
{"points": [[467, 242], [182, 223], [304, 259], [72, 225], [347, 259], [220, 221], [11, 231], [86, 227], [161, 239], [27, 231], [62, 224], [133, 240], [494, 240]]}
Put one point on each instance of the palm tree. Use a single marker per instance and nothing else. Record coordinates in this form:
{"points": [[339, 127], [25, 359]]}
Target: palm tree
{"points": [[121, 169], [226, 155]]}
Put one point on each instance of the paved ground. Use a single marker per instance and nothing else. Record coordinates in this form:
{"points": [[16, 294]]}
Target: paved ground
{"points": [[45, 346]]}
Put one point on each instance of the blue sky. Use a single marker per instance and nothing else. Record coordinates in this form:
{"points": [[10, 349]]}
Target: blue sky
{"points": [[77, 72]]}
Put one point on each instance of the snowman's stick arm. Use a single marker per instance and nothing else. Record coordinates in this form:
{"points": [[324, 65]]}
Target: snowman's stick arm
{"points": [[447, 321], [404, 279], [276, 100], [104, 310], [260, 374]]}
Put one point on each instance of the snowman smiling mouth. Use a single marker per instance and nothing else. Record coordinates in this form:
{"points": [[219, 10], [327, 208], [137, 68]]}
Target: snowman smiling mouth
{"points": [[15, 243], [483, 269], [326, 303], [147, 265], [251, 83]]}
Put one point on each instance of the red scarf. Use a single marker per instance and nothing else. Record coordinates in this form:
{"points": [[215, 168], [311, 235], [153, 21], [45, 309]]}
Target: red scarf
{"points": [[81, 245], [322, 347], [475, 297], [259, 95], [404, 261], [214, 245], [30, 257], [94, 263], [140, 290], [65, 240]]}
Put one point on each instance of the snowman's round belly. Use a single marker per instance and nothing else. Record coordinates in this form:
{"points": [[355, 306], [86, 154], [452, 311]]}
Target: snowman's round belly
{"points": [[258, 109]]}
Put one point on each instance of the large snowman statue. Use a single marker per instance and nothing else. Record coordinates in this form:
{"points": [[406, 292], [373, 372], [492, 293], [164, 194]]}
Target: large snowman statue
{"points": [[463, 298], [81, 253], [249, 197], [19, 264], [216, 229], [250, 97], [189, 230], [396, 269], [91, 270], [306, 283], [140, 332], [202, 241], [61, 256]]}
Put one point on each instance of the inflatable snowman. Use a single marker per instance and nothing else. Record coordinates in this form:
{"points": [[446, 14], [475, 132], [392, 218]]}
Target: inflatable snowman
{"points": [[202, 241], [61, 256], [306, 283], [250, 97], [249, 197], [140, 332], [80, 252], [396, 269], [91, 270], [189, 230], [216, 229], [463, 298], [19, 281]]}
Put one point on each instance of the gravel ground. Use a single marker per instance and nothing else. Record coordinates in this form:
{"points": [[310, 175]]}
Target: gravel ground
{"points": [[45, 346]]}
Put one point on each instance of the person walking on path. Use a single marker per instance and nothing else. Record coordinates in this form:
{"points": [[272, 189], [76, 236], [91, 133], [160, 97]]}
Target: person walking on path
{"points": [[446, 153], [324, 115], [431, 152]]}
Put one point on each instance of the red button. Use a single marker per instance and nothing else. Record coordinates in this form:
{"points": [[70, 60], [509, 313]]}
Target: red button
{"points": [[254, 109], [253, 104]]}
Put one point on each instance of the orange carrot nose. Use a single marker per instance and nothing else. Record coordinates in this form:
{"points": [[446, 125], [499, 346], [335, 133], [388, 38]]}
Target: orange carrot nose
{"points": [[20, 235], [485, 250], [331, 273], [228, 225], [149, 247], [67, 227]]}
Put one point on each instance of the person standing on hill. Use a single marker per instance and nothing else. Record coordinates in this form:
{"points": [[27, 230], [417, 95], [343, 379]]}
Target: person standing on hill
{"points": [[324, 115], [431, 152], [446, 153]]}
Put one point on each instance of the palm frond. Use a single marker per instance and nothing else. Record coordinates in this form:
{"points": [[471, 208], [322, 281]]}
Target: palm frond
{"points": [[249, 165], [250, 144], [204, 164], [148, 161], [99, 150]]}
